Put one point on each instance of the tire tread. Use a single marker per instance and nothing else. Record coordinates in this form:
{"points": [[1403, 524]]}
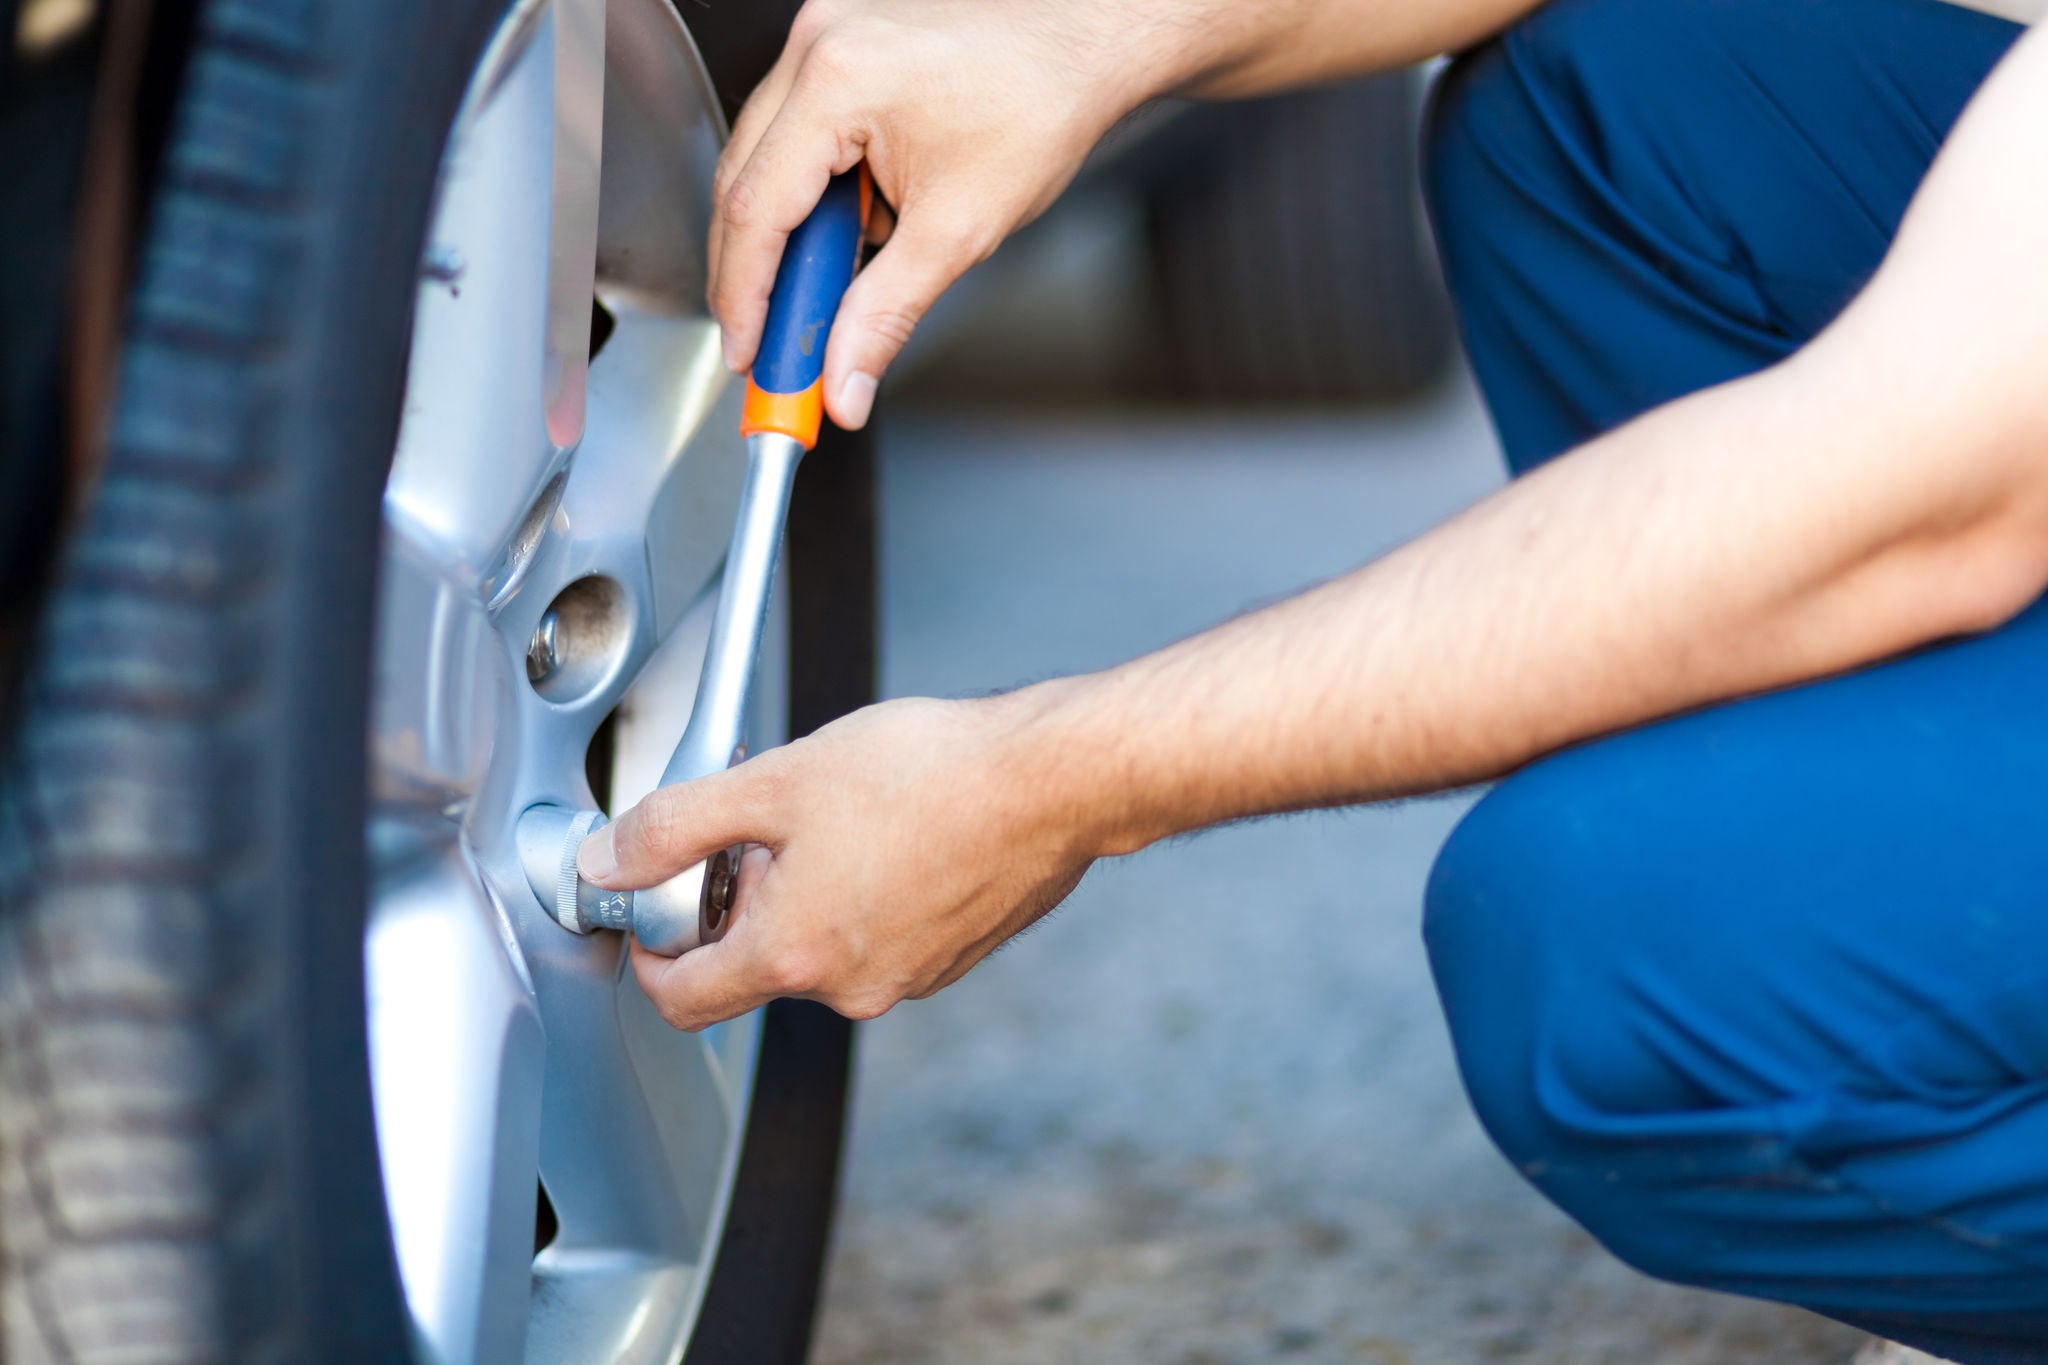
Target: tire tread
{"points": [[142, 1085]]}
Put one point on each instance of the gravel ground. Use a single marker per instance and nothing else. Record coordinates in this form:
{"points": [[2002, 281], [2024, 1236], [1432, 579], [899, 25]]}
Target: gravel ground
{"points": [[1207, 1112]]}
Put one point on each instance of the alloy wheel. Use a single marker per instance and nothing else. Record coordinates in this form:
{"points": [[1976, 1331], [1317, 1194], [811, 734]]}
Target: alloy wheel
{"points": [[554, 523]]}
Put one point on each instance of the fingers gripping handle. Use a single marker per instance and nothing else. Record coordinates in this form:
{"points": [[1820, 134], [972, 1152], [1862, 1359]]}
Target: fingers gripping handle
{"points": [[786, 391]]}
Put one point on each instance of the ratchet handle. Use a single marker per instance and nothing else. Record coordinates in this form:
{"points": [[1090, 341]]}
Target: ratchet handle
{"points": [[786, 390]]}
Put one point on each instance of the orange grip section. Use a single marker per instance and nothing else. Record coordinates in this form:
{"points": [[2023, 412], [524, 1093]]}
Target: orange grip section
{"points": [[796, 415]]}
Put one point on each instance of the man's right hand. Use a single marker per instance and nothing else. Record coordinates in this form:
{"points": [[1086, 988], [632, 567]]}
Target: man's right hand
{"points": [[972, 115]]}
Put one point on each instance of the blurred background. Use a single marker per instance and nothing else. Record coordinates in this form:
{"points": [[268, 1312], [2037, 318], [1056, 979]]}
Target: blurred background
{"points": [[1206, 1112]]}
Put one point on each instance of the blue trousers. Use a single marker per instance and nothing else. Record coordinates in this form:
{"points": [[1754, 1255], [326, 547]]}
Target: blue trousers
{"points": [[1758, 995]]}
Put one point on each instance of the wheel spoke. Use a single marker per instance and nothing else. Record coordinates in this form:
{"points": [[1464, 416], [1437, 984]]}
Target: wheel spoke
{"points": [[663, 132], [601, 1155], [692, 1102], [662, 462], [636, 1149], [456, 1061], [664, 416], [501, 333], [579, 39], [439, 694]]}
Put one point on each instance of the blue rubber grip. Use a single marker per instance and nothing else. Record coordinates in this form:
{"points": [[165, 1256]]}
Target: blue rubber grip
{"points": [[817, 264]]}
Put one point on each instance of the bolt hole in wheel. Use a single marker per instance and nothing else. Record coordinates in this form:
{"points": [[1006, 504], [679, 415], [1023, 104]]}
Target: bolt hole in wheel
{"points": [[579, 640], [557, 510]]}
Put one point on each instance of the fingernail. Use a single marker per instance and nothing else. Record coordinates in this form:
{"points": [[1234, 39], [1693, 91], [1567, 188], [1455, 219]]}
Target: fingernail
{"points": [[856, 399], [595, 858], [732, 352]]}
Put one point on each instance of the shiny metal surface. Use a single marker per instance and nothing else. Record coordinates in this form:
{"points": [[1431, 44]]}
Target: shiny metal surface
{"points": [[716, 734], [670, 918], [530, 477], [543, 652]]}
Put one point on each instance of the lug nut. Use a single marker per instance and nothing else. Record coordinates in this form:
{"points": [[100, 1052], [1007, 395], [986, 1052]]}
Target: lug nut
{"points": [[543, 654]]}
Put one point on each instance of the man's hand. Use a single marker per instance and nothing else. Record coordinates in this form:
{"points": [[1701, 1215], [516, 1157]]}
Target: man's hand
{"points": [[897, 847], [972, 114]]}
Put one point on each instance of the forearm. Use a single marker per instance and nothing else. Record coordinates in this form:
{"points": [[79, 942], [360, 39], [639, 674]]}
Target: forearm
{"points": [[1883, 489], [1236, 50], [1672, 565]]}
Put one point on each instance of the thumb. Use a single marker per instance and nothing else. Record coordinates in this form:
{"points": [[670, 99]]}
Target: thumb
{"points": [[886, 302], [678, 827], [709, 985]]}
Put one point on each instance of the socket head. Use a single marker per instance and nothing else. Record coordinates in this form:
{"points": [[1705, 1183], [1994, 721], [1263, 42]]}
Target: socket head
{"points": [[548, 837], [692, 908], [665, 917]]}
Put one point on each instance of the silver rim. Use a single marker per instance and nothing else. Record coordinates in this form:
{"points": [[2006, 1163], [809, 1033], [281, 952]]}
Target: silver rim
{"points": [[553, 526]]}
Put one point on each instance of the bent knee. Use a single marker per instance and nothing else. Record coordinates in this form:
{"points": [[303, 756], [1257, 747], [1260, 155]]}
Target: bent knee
{"points": [[1545, 921], [1505, 925], [1599, 967]]}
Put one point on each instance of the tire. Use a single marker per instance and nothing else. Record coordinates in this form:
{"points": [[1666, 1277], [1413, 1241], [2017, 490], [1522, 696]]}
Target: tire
{"points": [[1289, 254], [188, 1155]]}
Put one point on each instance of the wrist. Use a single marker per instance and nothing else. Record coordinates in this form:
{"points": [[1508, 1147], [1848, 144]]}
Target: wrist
{"points": [[1076, 759], [1156, 49], [1212, 49]]}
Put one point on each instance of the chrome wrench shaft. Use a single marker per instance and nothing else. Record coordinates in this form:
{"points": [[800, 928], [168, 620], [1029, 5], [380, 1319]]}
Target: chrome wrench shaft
{"points": [[715, 737], [669, 918]]}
